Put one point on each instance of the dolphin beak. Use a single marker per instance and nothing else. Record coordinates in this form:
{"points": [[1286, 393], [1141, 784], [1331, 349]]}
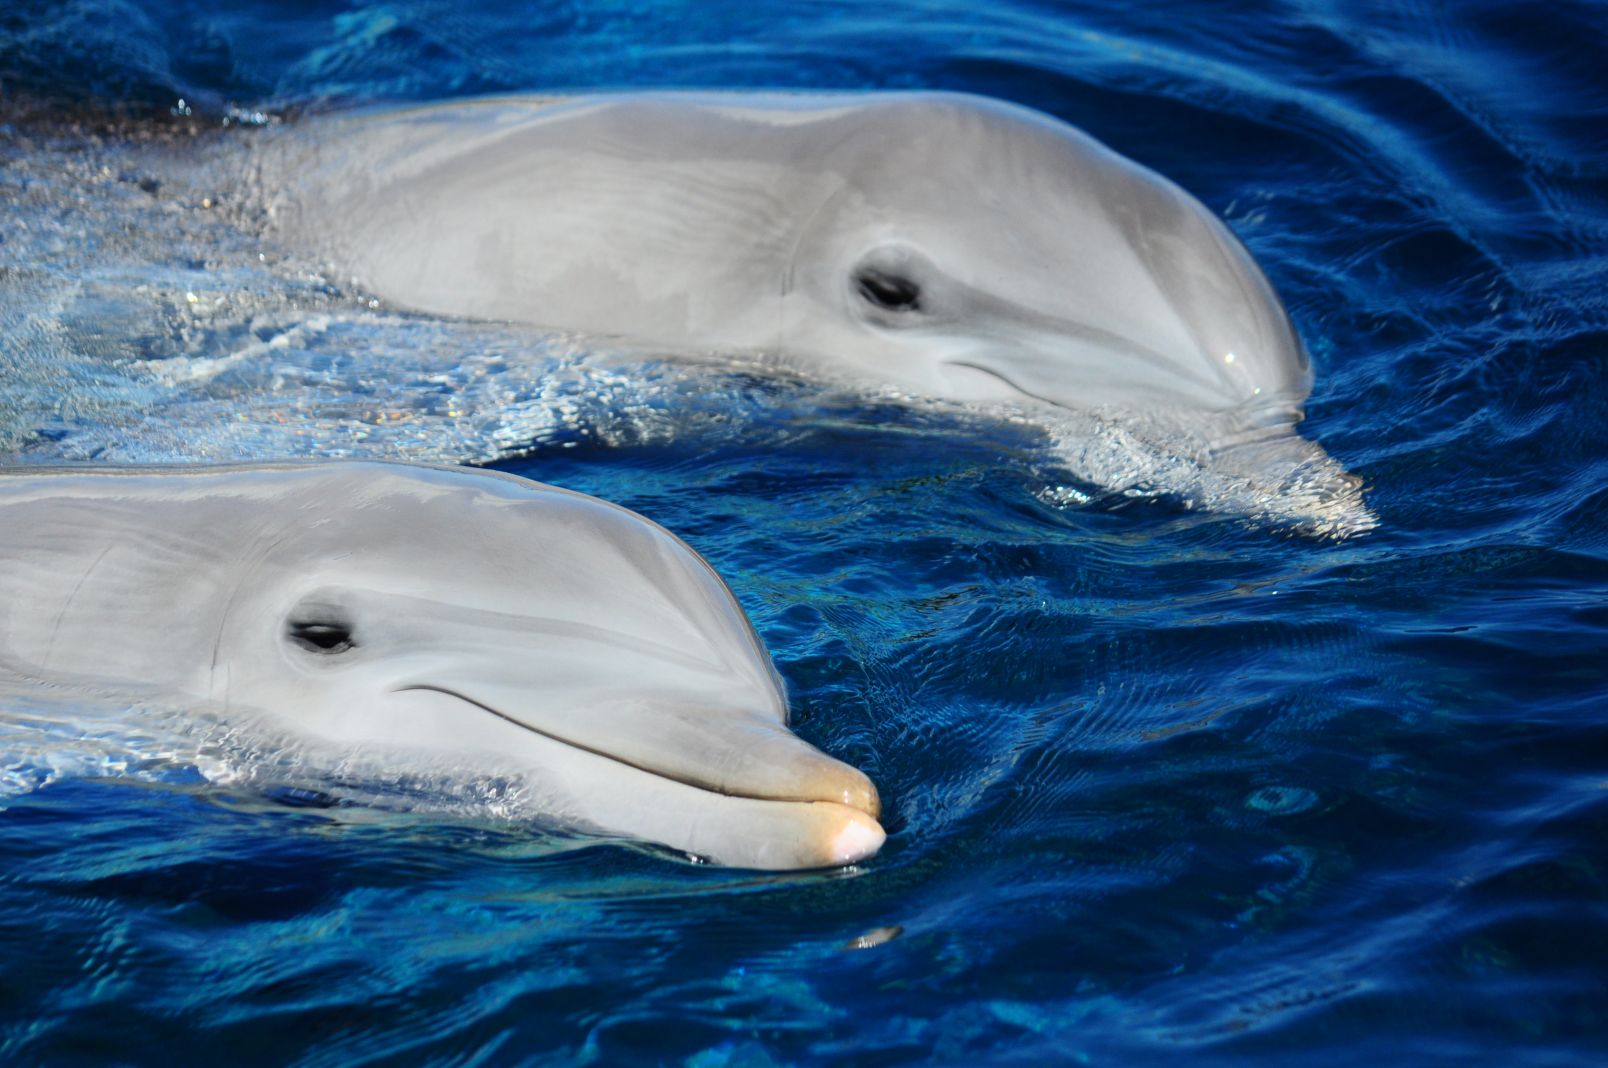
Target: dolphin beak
{"points": [[732, 785]]}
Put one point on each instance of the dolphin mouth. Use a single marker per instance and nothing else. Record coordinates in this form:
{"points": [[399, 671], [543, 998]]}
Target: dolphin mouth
{"points": [[1014, 386], [1153, 394], [828, 826]]}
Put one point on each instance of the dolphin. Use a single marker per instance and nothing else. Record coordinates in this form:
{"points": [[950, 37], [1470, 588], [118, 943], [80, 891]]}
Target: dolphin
{"points": [[939, 245], [437, 617]]}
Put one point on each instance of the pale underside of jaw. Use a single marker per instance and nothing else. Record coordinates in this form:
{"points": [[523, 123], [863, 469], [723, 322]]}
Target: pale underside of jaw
{"points": [[611, 795]]}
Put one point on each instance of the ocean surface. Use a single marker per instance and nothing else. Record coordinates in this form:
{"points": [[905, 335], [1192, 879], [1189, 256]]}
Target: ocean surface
{"points": [[1161, 784]]}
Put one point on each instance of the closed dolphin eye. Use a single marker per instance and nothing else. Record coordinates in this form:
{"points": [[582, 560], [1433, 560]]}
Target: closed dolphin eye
{"points": [[896, 285], [322, 636], [887, 290]]}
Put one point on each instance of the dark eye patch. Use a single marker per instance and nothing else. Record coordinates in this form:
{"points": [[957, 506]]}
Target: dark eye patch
{"points": [[887, 290], [320, 636]]}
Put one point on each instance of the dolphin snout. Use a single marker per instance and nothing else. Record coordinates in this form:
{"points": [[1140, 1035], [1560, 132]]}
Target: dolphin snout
{"points": [[790, 803], [798, 808], [715, 780]]}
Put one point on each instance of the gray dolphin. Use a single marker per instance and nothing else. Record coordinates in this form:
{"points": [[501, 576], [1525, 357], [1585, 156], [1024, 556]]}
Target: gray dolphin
{"points": [[944, 245], [436, 616]]}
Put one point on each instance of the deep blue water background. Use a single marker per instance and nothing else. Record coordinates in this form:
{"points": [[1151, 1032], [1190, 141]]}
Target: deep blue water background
{"points": [[1160, 785]]}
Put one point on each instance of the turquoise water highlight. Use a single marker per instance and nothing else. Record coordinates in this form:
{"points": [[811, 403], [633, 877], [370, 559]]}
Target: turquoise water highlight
{"points": [[1159, 784]]}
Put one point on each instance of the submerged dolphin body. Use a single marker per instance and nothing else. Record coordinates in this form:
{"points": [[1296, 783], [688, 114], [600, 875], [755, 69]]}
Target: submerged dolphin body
{"points": [[432, 617], [942, 245]]}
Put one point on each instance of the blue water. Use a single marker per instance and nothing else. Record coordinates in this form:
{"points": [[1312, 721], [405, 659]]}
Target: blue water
{"points": [[1160, 784]]}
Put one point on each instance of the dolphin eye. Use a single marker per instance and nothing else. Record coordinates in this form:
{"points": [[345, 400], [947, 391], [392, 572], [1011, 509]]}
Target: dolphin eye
{"points": [[320, 636], [887, 290]]}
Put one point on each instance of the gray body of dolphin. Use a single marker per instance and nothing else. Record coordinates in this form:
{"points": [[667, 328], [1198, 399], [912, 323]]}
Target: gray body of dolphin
{"points": [[953, 245], [435, 616], [945, 245]]}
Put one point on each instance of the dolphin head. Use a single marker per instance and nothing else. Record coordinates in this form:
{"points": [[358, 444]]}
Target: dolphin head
{"points": [[941, 243], [441, 618], [981, 251]]}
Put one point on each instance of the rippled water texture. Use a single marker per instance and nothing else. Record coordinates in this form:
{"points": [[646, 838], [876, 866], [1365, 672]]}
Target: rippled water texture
{"points": [[1160, 783]]}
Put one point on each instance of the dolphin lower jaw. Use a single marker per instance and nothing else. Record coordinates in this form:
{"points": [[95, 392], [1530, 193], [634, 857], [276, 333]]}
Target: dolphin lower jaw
{"points": [[834, 822]]}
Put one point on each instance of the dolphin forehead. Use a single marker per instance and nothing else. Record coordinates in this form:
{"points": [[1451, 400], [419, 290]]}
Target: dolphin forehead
{"points": [[144, 573], [489, 554]]}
